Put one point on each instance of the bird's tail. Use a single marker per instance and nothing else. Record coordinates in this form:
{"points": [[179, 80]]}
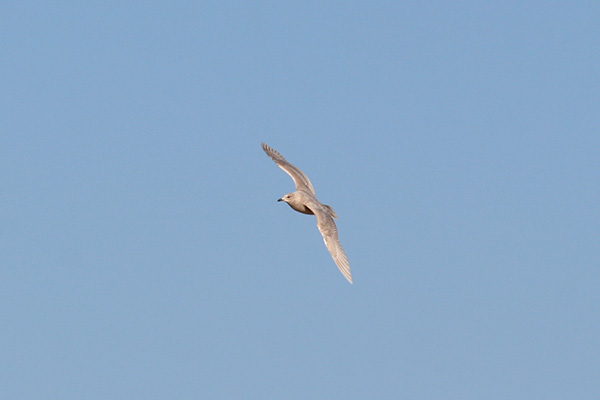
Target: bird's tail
{"points": [[329, 210]]}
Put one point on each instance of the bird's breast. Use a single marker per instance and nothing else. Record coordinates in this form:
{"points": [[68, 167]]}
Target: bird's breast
{"points": [[301, 208]]}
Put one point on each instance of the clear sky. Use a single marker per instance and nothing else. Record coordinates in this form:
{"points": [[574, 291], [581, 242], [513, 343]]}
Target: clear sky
{"points": [[143, 253]]}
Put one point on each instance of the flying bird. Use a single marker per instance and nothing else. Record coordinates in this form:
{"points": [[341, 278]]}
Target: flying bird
{"points": [[303, 200]]}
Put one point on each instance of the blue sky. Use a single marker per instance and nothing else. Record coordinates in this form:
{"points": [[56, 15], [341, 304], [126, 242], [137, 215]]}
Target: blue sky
{"points": [[144, 255]]}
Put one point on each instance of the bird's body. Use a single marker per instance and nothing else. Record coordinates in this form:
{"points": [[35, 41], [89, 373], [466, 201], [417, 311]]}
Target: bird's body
{"points": [[304, 200], [298, 201]]}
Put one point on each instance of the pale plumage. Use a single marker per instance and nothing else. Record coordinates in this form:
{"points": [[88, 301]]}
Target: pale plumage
{"points": [[303, 200]]}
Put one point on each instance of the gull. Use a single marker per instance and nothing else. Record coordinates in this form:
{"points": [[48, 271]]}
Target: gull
{"points": [[304, 200]]}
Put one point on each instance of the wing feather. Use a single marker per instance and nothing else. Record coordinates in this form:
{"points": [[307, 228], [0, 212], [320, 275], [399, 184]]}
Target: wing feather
{"points": [[329, 232], [302, 182]]}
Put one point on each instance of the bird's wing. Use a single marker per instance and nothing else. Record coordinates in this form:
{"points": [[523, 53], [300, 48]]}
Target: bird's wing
{"points": [[302, 182], [330, 237]]}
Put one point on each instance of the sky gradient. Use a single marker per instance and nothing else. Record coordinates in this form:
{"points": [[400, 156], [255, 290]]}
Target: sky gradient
{"points": [[144, 255]]}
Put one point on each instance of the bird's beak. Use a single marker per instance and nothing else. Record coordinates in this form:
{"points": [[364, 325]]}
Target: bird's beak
{"points": [[280, 199]]}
